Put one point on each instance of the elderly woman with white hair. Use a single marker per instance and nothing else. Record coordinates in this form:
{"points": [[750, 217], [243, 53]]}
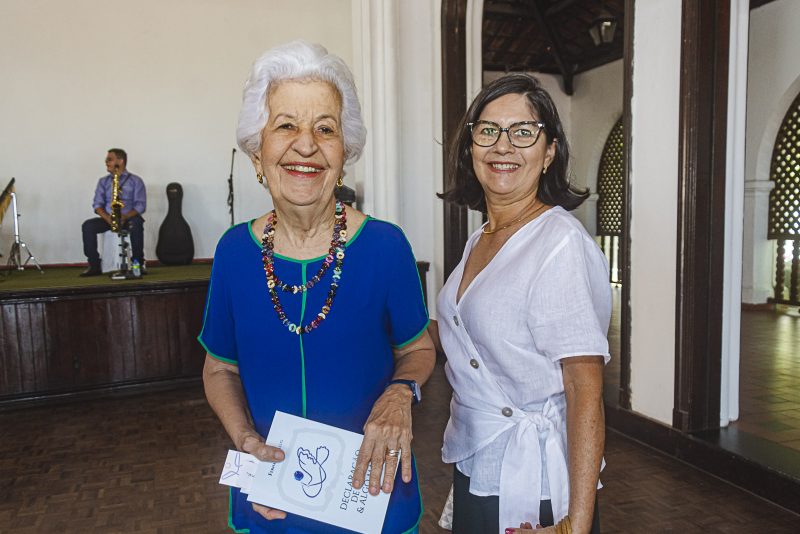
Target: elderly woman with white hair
{"points": [[315, 309]]}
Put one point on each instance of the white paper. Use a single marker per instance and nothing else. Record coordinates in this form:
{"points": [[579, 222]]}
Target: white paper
{"points": [[315, 478], [239, 471]]}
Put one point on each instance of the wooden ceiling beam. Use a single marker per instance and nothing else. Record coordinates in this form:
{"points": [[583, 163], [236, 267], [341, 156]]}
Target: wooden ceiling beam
{"points": [[561, 6], [505, 10], [567, 73], [506, 48]]}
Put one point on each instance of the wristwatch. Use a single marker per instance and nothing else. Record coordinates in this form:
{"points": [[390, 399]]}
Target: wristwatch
{"points": [[416, 393]]}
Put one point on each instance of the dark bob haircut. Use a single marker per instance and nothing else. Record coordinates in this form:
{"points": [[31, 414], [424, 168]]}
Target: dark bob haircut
{"points": [[554, 186]]}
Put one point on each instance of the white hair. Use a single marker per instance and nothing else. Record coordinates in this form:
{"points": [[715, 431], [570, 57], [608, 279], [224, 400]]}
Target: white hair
{"points": [[299, 60]]}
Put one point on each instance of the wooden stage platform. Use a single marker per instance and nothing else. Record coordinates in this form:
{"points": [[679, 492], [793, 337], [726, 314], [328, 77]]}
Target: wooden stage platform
{"points": [[62, 335], [65, 336]]}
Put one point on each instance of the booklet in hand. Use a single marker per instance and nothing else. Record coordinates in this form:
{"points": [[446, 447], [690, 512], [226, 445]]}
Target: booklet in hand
{"points": [[315, 478]]}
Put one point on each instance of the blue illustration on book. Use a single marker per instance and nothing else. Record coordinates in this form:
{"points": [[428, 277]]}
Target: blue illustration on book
{"points": [[313, 474]]}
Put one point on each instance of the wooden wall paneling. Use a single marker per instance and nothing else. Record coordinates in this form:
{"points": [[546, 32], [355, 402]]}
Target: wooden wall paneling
{"points": [[103, 329], [60, 360], [91, 363], [147, 317], [27, 362], [190, 320], [11, 372], [115, 337], [191, 352], [194, 325], [80, 340], [701, 213], [5, 353], [186, 311], [37, 341], [172, 321]]}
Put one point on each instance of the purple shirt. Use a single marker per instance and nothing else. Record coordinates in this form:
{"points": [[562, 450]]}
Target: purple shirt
{"points": [[131, 192]]}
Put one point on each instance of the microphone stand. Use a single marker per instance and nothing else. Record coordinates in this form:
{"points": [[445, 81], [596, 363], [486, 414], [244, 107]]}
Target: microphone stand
{"points": [[230, 188], [15, 256]]}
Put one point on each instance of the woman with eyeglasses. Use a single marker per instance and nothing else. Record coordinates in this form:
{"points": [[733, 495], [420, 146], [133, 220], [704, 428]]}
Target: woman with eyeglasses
{"points": [[523, 320]]}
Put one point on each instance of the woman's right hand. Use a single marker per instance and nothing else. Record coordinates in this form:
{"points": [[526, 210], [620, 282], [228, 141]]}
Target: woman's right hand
{"points": [[250, 442]]}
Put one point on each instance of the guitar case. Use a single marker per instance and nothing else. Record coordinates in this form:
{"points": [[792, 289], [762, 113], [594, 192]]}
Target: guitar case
{"points": [[175, 244]]}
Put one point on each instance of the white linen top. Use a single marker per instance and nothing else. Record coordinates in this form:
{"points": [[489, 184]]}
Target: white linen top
{"points": [[543, 297]]}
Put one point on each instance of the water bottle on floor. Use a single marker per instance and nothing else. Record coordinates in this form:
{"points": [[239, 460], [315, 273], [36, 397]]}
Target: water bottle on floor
{"points": [[136, 269]]}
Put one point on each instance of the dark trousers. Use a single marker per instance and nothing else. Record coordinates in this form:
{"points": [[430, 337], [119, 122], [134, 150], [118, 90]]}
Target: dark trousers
{"points": [[92, 227], [473, 514]]}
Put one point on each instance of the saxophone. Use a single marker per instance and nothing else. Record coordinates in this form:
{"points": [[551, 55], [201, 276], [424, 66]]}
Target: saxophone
{"points": [[116, 204]]}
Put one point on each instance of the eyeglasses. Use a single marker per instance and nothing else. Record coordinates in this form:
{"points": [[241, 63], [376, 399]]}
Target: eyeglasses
{"points": [[520, 134]]}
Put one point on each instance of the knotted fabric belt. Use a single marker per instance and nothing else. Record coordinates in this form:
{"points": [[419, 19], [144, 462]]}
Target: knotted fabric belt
{"points": [[521, 471]]}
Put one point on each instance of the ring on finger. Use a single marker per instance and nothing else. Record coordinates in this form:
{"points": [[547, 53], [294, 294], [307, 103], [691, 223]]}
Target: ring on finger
{"points": [[393, 453]]}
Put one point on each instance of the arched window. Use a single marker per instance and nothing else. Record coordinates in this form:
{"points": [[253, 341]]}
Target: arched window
{"points": [[784, 207], [609, 199]]}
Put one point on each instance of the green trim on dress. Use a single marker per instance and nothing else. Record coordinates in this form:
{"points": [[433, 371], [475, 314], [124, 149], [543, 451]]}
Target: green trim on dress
{"points": [[230, 515], [312, 260], [302, 351], [416, 336]]}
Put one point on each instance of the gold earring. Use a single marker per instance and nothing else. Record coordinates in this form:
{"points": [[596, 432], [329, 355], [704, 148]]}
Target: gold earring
{"points": [[260, 178], [544, 171], [340, 181]]}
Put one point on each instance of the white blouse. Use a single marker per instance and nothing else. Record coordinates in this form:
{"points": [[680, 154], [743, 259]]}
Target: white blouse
{"points": [[544, 296]]}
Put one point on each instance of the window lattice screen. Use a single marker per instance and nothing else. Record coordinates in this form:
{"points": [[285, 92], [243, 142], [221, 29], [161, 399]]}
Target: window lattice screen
{"points": [[784, 199], [609, 184]]}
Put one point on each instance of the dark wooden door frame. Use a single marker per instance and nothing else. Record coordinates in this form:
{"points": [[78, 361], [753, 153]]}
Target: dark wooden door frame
{"points": [[705, 43], [625, 238], [454, 104]]}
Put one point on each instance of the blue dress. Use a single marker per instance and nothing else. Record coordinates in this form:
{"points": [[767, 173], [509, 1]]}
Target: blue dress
{"points": [[335, 373]]}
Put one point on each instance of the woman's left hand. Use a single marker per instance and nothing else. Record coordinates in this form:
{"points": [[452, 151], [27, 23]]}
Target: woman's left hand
{"points": [[387, 428]]}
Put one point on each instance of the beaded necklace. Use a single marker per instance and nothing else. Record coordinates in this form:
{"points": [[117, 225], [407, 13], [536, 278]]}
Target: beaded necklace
{"points": [[335, 256]]}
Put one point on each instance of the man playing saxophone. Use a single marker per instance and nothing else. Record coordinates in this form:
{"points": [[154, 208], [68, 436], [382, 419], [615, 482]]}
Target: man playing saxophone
{"points": [[130, 201]]}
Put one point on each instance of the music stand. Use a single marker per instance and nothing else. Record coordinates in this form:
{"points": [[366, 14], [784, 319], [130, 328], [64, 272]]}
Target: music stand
{"points": [[15, 256]]}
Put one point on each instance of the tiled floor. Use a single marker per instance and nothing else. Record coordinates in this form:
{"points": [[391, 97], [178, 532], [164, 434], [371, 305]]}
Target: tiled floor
{"points": [[769, 376], [769, 385], [150, 464]]}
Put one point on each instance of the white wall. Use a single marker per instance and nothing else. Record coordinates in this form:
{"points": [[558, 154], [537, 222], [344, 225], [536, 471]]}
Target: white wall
{"points": [[397, 64], [420, 149], [160, 78], [596, 106], [653, 228], [773, 81]]}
